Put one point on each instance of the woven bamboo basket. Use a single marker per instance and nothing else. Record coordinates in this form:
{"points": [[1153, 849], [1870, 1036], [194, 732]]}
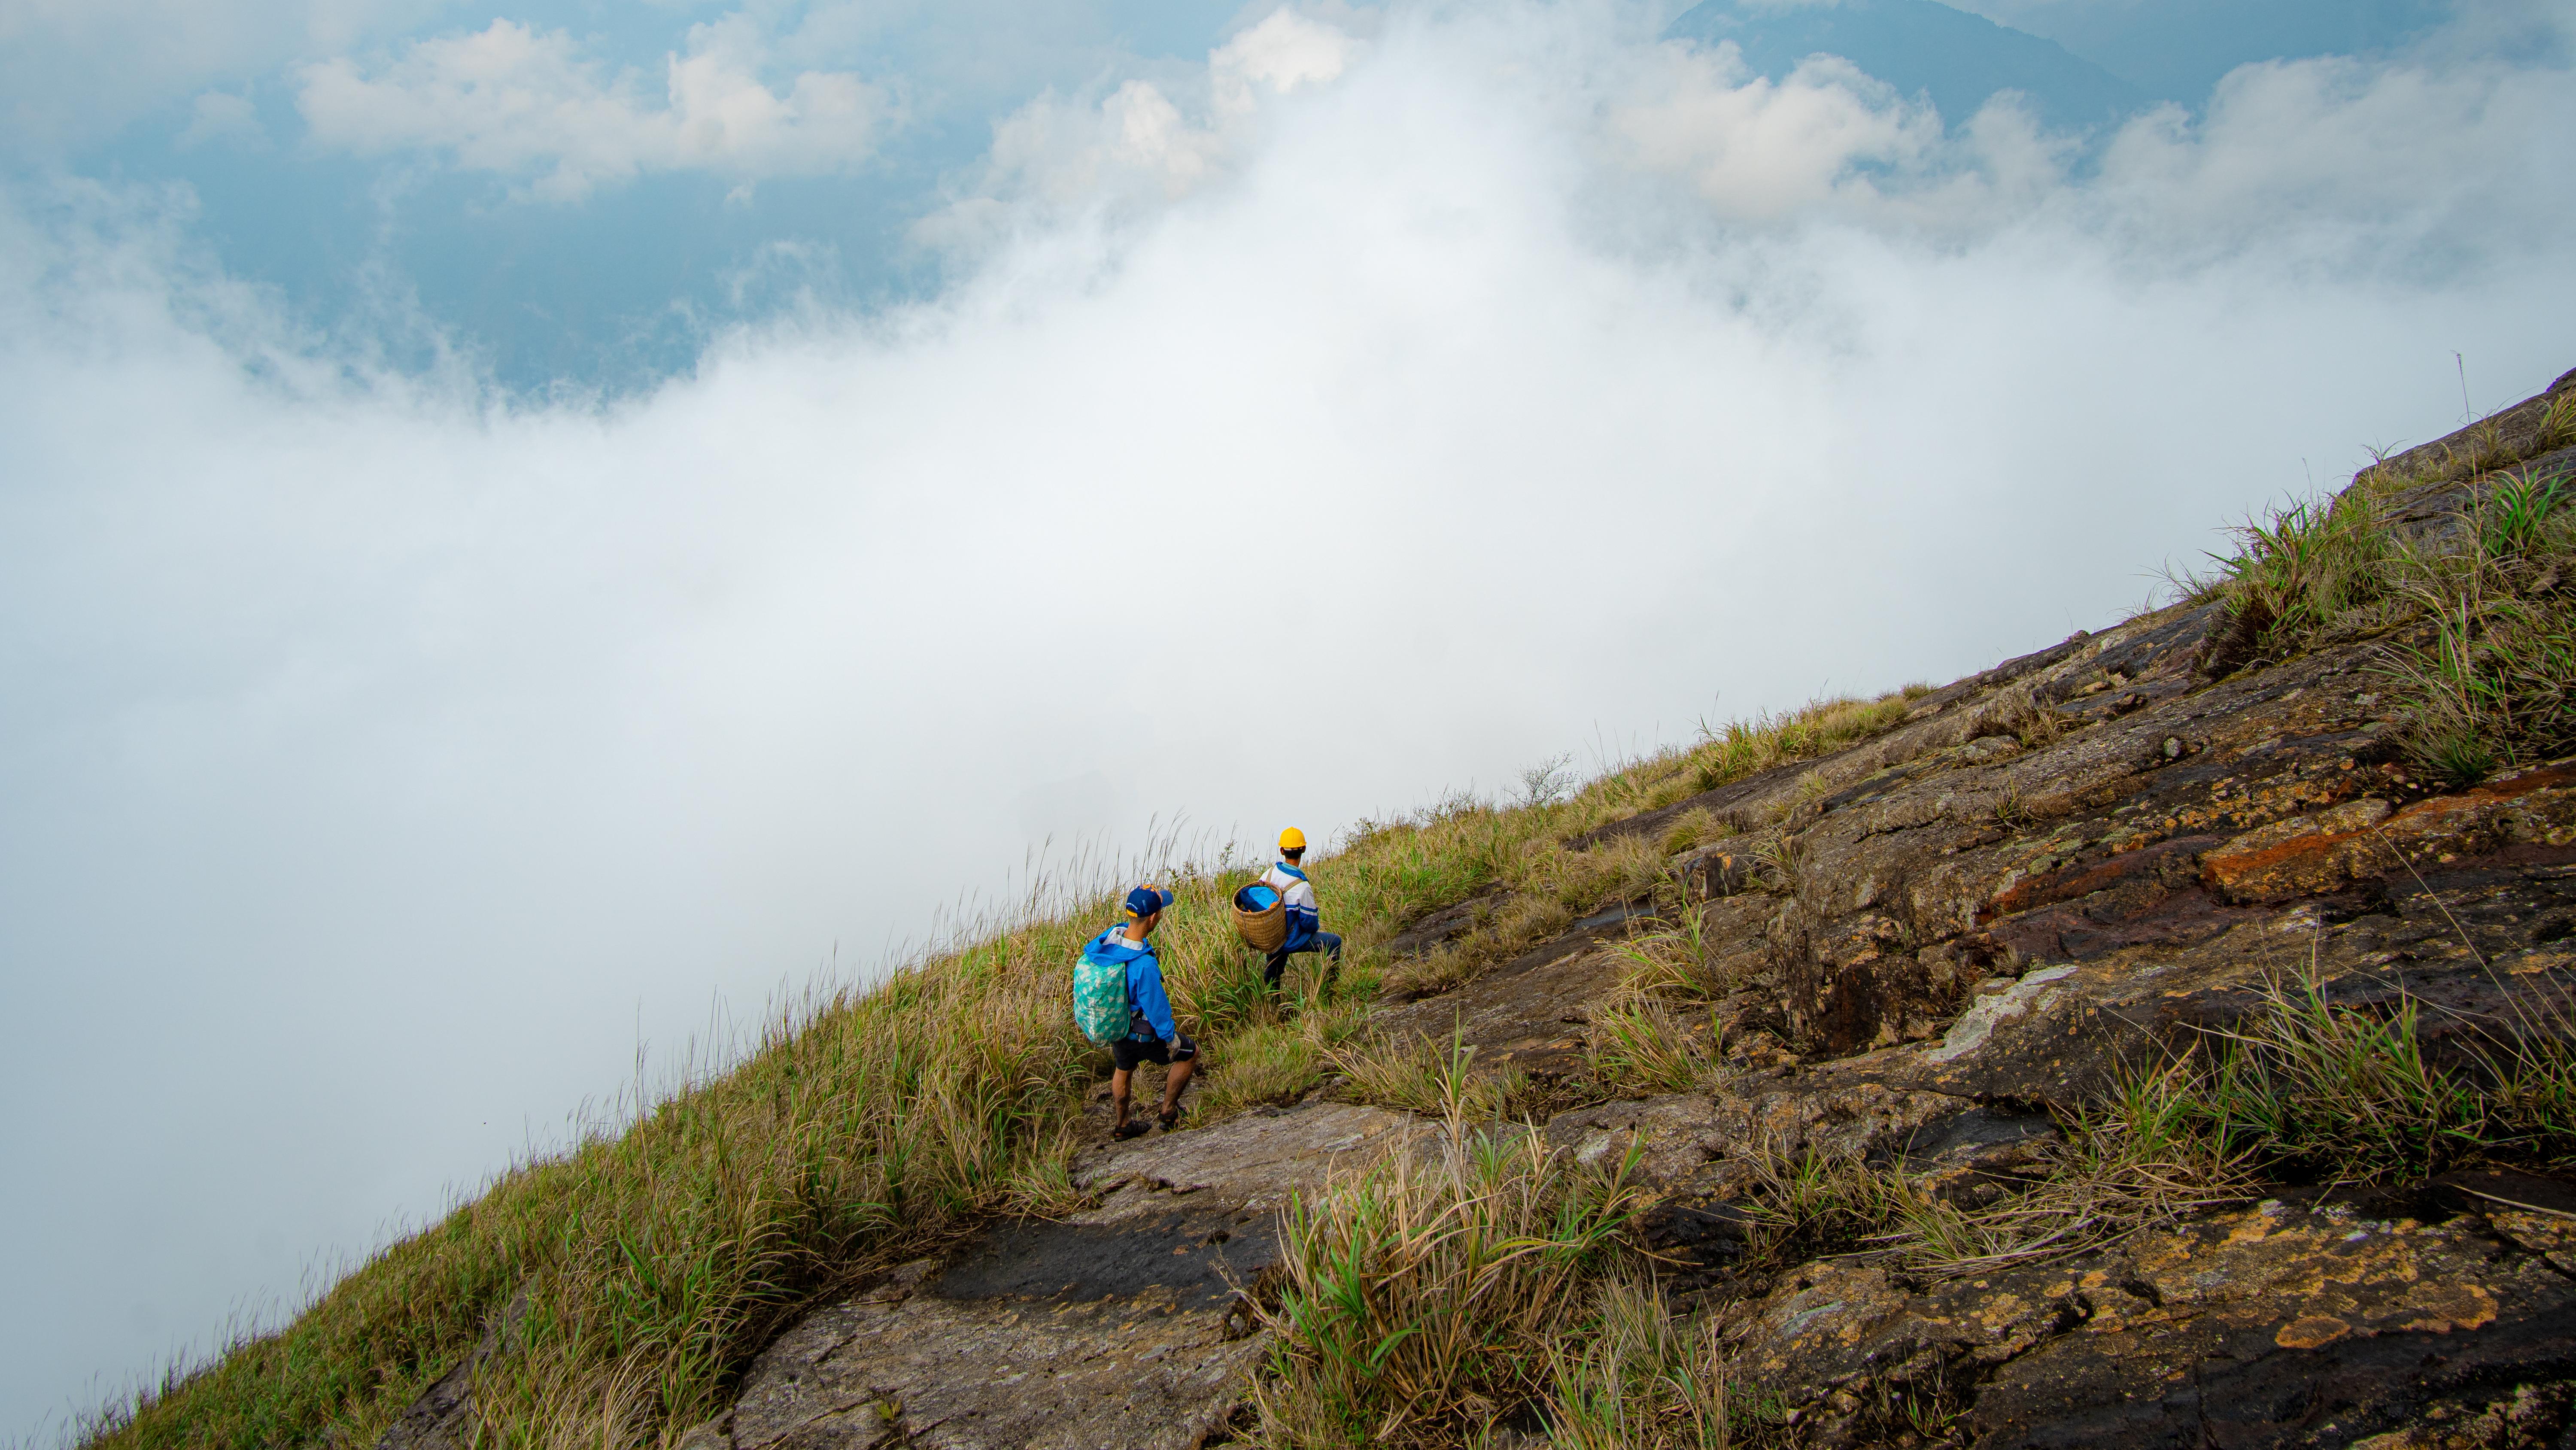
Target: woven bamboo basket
{"points": [[1261, 930]]}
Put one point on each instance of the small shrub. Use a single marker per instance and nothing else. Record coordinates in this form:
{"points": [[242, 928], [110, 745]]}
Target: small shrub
{"points": [[1547, 782]]}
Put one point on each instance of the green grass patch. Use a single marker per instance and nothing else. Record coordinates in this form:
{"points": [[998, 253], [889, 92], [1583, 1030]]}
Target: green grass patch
{"points": [[1429, 1076], [2491, 677], [2314, 1089], [1635, 1377], [1424, 1300], [1643, 1046], [2304, 1089], [2482, 653], [1279, 1061], [2297, 571], [1741, 748]]}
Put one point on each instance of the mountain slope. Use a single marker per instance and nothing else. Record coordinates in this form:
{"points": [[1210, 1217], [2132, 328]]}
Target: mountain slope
{"points": [[1918, 46], [2167, 1037]]}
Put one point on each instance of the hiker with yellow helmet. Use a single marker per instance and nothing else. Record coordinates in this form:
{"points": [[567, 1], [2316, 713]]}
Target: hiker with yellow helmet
{"points": [[1297, 894]]}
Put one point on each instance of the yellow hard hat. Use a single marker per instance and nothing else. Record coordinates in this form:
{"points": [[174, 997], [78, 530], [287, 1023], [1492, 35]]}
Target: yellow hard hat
{"points": [[1292, 839]]}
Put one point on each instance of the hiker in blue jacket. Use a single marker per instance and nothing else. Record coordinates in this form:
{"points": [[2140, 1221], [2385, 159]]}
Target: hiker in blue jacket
{"points": [[1152, 1035], [1305, 922]]}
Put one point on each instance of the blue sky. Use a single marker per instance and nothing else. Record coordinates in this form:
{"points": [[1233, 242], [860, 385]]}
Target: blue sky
{"points": [[389, 212], [532, 536], [608, 283]]}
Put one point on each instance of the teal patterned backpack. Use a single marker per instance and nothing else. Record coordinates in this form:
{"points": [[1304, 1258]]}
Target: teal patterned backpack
{"points": [[1100, 1006]]}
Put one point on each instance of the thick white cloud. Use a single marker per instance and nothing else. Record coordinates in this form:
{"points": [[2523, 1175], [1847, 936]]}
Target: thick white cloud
{"points": [[520, 102], [384, 756], [2355, 162], [1763, 151], [2346, 161], [1141, 145], [2361, 165]]}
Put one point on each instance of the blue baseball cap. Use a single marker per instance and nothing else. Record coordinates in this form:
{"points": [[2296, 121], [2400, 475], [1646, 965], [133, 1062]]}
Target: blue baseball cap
{"points": [[1146, 900]]}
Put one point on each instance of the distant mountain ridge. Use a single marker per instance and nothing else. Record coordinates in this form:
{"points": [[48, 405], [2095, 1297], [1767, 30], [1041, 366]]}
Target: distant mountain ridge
{"points": [[1921, 47], [2176, 50]]}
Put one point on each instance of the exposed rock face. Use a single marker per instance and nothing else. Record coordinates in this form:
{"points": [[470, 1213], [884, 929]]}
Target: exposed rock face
{"points": [[1119, 1327], [1529, 1011], [2266, 1326], [2049, 870]]}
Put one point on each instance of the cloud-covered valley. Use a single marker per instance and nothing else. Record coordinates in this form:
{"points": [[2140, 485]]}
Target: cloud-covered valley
{"points": [[1392, 401]]}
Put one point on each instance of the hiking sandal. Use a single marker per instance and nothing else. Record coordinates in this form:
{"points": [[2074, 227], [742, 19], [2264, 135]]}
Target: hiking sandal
{"points": [[1171, 1121], [1125, 1131]]}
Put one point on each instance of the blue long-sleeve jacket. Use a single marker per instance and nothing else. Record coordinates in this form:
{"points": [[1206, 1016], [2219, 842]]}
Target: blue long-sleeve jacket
{"points": [[1149, 1010]]}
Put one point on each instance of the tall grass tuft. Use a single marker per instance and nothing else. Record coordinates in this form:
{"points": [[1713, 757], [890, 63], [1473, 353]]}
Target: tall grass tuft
{"points": [[2485, 658], [1428, 1076], [1641, 1046], [1422, 1300], [2304, 1088], [2316, 1088], [2296, 571], [1675, 960], [2494, 683], [1633, 1377]]}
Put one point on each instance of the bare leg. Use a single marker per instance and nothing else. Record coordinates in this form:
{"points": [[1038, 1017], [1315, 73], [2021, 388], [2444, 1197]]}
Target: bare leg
{"points": [[1173, 1082], [1118, 1096]]}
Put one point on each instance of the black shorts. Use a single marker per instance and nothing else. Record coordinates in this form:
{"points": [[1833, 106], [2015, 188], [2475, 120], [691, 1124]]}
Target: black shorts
{"points": [[1129, 1051]]}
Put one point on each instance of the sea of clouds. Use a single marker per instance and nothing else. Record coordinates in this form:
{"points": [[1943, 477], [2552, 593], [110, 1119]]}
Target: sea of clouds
{"points": [[1398, 399]]}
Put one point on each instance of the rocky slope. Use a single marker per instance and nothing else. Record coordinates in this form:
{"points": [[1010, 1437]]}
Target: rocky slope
{"points": [[1947, 938]]}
